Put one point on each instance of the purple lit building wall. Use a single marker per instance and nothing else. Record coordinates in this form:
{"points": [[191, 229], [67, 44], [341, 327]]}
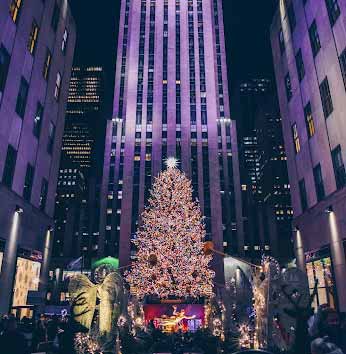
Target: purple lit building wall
{"points": [[171, 99], [37, 40], [309, 41]]}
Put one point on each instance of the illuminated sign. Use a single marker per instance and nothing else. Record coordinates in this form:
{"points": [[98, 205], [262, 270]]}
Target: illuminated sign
{"points": [[175, 317]]}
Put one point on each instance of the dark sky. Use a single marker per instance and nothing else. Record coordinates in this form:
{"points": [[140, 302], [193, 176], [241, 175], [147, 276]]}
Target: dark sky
{"points": [[246, 25]]}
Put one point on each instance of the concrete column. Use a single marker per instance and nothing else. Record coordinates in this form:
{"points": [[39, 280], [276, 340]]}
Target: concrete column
{"points": [[9, 265], [299, 250], [47, 250], [339, 262]]}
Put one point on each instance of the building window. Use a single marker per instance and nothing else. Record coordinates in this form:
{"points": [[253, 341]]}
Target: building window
{"points": [[303, 195], [281, 41], [29, 178], [314, 39], [38, 120], [333, 11], [33, 38], [57, 86], [51, 138], [55, 17], [291, 17], [300, 65], [295, 136], [309, 120], [319, 183], [4, 65], [342, 60], [10, 165], [288, 87], [15, 8], [326, 98], [43, 195], [319, 267], [339, 168], [22, 97], [47, 62], [64, 41]]}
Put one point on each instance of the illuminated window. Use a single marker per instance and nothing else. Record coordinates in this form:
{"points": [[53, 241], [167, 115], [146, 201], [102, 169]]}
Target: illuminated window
{"points": [[309, 120], [47, 62], [295, 138], [320, 268], [57, 86], [15, 9], [33, 38]]}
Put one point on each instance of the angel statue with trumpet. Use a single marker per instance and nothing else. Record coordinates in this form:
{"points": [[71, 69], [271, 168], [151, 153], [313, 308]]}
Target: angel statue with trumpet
{"points": [[99, 309]]}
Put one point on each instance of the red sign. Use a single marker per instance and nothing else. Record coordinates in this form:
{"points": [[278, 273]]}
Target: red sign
{"points": [[175, 317]]}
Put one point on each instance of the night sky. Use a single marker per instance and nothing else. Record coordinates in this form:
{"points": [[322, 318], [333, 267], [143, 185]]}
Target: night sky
{"points": [[247, 25]]}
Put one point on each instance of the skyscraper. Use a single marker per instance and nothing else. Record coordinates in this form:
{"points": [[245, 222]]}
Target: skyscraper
{"points": [[171, 99], [266, 193], [309, 50], [37, 42], [76, 212], [83, 114]]}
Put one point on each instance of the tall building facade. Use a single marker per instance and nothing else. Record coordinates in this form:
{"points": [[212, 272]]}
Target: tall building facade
{"points": [[308, 43], [171, 99], [37, 42], [83, 114], [266, 192]]}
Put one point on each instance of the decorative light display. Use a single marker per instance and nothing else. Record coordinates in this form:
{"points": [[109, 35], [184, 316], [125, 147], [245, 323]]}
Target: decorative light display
{"points": [[84, 344], [245, 336], [170, 243]]}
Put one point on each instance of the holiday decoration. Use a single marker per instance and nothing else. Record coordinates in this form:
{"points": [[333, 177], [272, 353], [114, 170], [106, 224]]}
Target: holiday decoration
{"points": [[99, 308], [170, 243]]}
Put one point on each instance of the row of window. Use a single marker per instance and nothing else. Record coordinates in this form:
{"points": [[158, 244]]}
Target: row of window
{"points": [[340, 177], [8, 174]]}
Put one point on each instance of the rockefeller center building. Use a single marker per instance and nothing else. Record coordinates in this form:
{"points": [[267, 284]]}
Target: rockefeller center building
{"points": [[37, 40], [309, 50], [171, 100]]}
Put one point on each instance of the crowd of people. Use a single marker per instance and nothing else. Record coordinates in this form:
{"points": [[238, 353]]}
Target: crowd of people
{"points": [[26, 336], [53, 334], [327, 329]]}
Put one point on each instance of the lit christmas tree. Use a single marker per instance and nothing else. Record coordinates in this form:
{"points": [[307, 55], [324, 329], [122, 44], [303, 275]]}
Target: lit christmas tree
{"points": [[170, 259]]}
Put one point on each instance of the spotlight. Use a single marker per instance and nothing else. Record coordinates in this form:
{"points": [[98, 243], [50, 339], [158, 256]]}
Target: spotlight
{"points": [[19, 209], [50, 228], [329, 209], [295, 229]]}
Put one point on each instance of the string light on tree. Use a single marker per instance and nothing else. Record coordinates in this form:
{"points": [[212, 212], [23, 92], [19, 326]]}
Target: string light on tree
{"points": [[170, 258]]}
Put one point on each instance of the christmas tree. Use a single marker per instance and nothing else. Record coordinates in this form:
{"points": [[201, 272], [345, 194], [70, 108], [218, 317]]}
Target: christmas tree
{"points": [[170, 261]]}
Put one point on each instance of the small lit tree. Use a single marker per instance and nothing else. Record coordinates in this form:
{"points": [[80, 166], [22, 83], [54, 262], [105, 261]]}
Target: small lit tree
{"points": [[170, 259]]}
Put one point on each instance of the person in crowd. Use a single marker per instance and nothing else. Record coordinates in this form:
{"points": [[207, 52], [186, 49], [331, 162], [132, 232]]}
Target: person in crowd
{"points": [[326, 323], [40, 333], [324, 346], [12, 341]]}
